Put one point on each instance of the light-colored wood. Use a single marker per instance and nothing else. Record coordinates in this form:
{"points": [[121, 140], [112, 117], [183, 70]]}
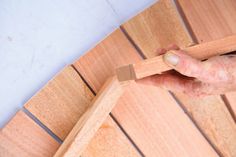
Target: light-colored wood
{"points": [[215, 113], [231, 98], [109, 141], [84, 130], [158, 26], [150, 116], [61, 103], [156, 65], [210, 19], [22, 137], [100, 65]]}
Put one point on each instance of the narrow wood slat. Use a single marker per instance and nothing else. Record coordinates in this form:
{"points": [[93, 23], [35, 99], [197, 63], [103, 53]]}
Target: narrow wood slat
{"points": [[211, 20], [89, 123], [22, 137], [160, 24], [149, 115], [156, 65], [210, 114], [61, 103]]}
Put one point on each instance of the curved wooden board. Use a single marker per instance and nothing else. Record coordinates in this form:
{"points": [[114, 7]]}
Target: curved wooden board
{"points": [[150, 116], [61, 103]]}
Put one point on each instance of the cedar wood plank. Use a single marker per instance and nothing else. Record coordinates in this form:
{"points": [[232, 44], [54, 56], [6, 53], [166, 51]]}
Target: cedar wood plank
{"points": [[211, 20], [161, 24], [156, 65], [207, 111], [61, 103], [22, 137], [219, 21], [89, 123], [150, 116]]}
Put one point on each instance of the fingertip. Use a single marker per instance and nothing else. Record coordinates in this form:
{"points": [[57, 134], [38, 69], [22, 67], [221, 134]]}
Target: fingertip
{"points": [[171, 58]]}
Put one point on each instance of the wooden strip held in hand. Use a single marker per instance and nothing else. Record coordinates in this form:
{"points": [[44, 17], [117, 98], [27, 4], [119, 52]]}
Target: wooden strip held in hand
{"points": [[156, 65], [77, 140]]}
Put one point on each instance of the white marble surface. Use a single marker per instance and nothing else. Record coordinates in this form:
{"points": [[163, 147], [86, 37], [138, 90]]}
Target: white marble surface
{"points": [[39, 37]]}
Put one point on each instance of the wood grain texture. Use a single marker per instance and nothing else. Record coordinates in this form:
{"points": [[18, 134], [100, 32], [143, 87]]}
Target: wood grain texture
{"points": [[143, 112], [231, 98], [158, 26], [22, 137], [89, 123], [109, 141], [156, 65], [210, 19], [61, 103], [96, 65]]}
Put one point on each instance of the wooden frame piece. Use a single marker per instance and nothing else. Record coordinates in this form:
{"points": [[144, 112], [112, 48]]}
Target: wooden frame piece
{"points": [[80, 136], [156, 65]]}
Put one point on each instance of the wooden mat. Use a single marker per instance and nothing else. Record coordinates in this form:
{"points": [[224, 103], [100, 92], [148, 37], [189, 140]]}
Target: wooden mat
{"points": [[146, 121]]}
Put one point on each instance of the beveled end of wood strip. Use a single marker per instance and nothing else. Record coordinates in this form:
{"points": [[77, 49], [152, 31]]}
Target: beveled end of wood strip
{"points": [[126, 73]]}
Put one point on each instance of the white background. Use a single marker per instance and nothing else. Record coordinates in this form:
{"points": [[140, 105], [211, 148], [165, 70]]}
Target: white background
{"points": [[39, 37]]}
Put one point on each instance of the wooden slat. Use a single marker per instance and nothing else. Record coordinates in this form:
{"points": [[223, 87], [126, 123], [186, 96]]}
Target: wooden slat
{"points": [[156, 65], [210, 113], [160, 24], [61, 103], [231, 98], [211, 20], [109, 141], [22, 137], [89, 123], [150, 116]]}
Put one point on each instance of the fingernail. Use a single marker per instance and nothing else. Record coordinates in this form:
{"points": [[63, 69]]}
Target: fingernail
{"points": [[171, 58]]}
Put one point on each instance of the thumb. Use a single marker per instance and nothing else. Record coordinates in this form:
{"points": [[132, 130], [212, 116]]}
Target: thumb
{"points": [[184, 64]]}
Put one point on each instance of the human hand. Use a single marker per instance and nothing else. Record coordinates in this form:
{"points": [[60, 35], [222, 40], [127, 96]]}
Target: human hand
{"points": [[216, 75]]}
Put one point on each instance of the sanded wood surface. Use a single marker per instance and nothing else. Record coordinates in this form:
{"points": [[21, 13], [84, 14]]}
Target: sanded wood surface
{"points": [[61, 103], [215, 112], [156, 65], [89, 123], [112, 137], [231, 98], [158, 26], [22, 137], [210, 19], [150, 116], [96, 65]]}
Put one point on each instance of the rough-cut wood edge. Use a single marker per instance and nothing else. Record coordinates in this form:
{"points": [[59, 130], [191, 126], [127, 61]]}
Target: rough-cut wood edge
{"points": [[92, 119], [156, 65]]}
